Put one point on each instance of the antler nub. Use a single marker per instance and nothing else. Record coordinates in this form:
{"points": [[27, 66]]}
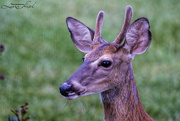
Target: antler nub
{"points": [[127, 22], [98, 28]]}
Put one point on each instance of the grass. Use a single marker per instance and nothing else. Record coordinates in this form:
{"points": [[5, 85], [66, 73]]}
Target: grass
{"points": [[39, 56]]}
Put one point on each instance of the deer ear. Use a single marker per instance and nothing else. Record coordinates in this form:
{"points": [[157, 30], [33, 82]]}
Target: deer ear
{"points": [[138, 36], [81, 35]]}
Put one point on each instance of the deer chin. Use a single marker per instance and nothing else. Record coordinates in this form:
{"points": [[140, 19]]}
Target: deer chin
{"points": [[72, 97]]}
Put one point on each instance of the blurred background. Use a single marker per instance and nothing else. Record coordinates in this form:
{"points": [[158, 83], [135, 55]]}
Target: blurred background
{"points": [[39, 56]]}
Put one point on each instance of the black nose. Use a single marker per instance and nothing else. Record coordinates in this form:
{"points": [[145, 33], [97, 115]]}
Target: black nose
{"points": [[65, 89]]}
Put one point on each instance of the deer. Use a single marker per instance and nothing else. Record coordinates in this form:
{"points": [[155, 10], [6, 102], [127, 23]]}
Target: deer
{"points": [[107, 67]]}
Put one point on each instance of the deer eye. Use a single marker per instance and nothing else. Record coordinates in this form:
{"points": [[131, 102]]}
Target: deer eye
{"points": [[106, 64]]}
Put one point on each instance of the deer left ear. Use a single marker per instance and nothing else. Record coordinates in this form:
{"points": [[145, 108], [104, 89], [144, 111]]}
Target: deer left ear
{"points": [[138, 36], [81, 35]]}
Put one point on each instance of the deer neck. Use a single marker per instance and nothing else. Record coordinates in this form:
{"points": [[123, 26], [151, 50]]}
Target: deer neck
{"points": [[122, 103]]}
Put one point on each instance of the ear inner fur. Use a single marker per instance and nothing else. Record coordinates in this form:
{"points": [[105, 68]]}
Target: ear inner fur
{"points": [[81, 35], [138, 37]]}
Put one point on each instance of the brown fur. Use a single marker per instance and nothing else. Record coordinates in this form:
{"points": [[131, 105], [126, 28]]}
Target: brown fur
{"points": [[122, 103], [115, 81]]}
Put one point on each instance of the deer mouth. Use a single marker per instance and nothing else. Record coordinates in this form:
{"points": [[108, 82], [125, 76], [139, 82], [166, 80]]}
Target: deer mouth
{"points": [[72, 96]]}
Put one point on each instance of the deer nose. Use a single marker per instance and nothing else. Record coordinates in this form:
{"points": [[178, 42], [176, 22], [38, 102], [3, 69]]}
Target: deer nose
{"points": [[65, 89]]}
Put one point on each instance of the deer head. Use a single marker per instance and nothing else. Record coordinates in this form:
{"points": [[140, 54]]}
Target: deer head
{"points": [[105, 64]]}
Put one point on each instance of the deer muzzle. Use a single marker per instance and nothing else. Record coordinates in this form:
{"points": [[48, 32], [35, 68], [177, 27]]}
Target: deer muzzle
{"points": [[72, 91]]}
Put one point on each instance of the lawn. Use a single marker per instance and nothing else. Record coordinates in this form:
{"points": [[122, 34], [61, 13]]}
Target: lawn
{"points": [[39, 56]]}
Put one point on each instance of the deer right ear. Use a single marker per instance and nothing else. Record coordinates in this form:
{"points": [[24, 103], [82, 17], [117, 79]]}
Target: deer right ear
{"points": [[81, 35], [138, 36]]}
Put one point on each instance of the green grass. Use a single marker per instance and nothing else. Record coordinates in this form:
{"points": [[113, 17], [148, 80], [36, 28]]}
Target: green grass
{"points": [[40, 56]]}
